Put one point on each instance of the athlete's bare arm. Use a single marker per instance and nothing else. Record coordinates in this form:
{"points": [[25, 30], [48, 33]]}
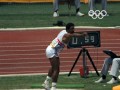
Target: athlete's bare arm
{"points": [[80, 34], [68, 36]]}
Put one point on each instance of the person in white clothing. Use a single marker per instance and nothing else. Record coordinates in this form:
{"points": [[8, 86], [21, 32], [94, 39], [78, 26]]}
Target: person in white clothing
{"points": [[114, 63], [52, 53], [77, 6]]}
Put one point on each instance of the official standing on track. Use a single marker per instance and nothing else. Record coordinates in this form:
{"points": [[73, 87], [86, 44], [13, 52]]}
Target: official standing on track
{"points": [[52, 53]]}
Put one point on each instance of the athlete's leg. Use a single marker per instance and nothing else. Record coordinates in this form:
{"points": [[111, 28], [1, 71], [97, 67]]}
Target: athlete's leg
{"points": [[55, 68], [54, 71]]}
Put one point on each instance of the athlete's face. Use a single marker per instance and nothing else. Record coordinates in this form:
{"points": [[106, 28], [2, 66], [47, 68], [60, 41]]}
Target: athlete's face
{"points": [[71, 30]]}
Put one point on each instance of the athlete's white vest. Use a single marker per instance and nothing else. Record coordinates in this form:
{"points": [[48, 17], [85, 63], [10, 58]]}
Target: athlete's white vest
{"points": [[57, 42]]}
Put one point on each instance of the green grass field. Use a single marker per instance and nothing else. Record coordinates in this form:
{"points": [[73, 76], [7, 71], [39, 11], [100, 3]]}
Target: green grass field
{"points": [[40, 15], [26, 82]]}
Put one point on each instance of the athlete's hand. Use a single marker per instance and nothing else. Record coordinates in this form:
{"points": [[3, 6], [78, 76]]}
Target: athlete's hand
{"points": [[85, 33]]}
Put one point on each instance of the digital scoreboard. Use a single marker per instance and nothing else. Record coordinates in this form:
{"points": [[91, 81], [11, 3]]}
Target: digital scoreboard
{"points": [[93, 39]]}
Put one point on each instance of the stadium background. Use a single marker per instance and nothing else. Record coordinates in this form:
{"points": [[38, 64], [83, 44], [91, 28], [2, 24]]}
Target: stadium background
{"points": [[23, 51]]}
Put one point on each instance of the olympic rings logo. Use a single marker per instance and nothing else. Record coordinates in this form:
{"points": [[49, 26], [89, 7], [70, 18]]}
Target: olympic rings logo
{"points": [[97, 14]]}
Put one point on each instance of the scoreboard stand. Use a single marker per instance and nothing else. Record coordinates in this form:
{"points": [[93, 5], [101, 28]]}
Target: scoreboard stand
{"points": [[84, 52], [93, 39]]}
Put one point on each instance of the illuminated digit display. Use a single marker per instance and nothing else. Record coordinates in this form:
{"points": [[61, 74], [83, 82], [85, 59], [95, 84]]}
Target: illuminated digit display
{"points": [[93, 39]]}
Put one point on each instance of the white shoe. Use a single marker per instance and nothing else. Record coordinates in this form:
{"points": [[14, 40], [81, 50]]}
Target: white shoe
{"points": [[101, 80], [55, 14], [112, 81], [53, 88], [80, 14], [107, 15], [46, 86]]}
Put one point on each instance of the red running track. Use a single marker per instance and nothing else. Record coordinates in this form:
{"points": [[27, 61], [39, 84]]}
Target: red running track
{"points": [[23, 51]]}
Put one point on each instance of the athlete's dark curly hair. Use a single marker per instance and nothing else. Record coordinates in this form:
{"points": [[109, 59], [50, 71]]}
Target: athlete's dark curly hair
{"points": [[68, 26]]}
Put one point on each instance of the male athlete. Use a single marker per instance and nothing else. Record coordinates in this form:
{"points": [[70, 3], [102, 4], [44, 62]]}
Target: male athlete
{"points": [[52, 53]]}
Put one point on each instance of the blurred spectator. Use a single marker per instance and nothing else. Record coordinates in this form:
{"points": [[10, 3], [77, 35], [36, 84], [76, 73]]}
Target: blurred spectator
{"points": [[92, 4], [56, 7]]}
